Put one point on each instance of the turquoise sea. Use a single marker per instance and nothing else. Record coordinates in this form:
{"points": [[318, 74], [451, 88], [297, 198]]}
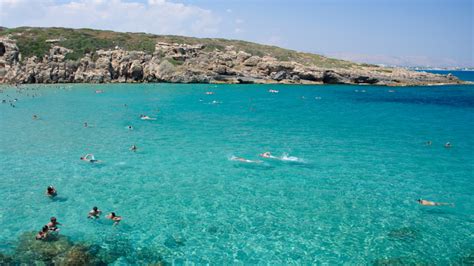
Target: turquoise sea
{"points": [[349, 198]]}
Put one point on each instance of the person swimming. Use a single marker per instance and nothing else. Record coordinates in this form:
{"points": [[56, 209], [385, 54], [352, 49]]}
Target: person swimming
{"points": [[134, 148], [428, 143], [432, 203], [51, 192], [89, 158], [114, 218], [145, 117], [448, 145], [130, 127], [53, 224], [85, 124], [240, 159], [266, 154], [94, 213], [43, 234], [35, 117]]}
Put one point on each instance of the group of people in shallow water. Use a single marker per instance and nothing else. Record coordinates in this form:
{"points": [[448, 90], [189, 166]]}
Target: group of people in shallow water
{"points": [[52, 226]]}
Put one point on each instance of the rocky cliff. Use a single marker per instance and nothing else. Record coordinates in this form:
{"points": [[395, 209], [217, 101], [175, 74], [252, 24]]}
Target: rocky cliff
{"points": [[189, 63]]}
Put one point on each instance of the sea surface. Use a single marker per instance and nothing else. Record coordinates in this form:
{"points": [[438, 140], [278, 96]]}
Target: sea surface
{"points": [[351, 161]]}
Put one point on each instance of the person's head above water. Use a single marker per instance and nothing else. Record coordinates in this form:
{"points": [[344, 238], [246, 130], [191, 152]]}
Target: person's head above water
{"points": [[53, 219], [94, 208]]}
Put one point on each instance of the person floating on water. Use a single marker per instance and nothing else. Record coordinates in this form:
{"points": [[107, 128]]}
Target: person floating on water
{"points": [[432, 203], [114, 218], [43, 234], [51, 192], [134, 148], [53, 225], [89, 158], [94, 213], [85, 124], [448, 145]]}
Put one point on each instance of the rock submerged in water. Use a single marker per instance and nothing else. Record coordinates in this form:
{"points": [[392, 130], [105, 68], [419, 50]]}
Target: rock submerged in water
{"points": [[405, 233], [184, 63], [57, 250]]}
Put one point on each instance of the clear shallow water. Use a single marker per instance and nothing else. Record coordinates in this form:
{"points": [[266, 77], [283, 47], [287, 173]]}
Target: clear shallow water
{"points": [[352, 200]]}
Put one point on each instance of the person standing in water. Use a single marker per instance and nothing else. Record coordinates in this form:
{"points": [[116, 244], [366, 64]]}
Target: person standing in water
{"points": [[94, 213], [43, 234], [53, 224], [51, 192], [432, 203]]}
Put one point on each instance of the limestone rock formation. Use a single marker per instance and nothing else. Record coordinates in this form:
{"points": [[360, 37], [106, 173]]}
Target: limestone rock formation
{"points": [[183, 63]]}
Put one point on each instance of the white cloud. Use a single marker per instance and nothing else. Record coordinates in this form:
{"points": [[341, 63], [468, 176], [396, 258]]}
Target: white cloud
{"points": [[228, 10], [239, 21], [154, 16]]}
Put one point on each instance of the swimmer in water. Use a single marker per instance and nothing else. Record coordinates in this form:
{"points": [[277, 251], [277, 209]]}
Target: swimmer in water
{"points": [[240, 159], [145, 117], [35, 117], [448, 145], [432, 203], [43, 234], [266, 154], [85, 124], [114, 218], [428, 143], [130, 127], [94, 213], [89, 158], [51, 192], [53, 224], [134, 148]]}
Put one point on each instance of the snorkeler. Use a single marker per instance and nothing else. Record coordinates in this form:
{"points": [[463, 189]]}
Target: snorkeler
{"points": [[53, 224], [43, 234], [51, 192], [448, 145], [114, 218], [94, 213], [432, 203], [134, 148], [89, 158]]}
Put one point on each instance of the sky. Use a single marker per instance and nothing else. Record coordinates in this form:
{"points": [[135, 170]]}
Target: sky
{"points": [[436, 33]]}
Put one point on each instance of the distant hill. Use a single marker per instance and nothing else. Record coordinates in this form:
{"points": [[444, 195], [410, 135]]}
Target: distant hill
{"points": [[61, 55], [33, 41]]}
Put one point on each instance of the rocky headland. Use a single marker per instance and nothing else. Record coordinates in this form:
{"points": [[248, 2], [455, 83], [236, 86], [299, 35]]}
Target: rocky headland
{"points": [[182, 62]]}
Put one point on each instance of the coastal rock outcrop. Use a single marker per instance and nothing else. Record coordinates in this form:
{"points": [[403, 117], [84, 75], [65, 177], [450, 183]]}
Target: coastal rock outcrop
{"points": [[185, 63]]}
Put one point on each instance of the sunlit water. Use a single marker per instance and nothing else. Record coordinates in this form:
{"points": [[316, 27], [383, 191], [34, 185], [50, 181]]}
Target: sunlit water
{"points": [[350, 198]]}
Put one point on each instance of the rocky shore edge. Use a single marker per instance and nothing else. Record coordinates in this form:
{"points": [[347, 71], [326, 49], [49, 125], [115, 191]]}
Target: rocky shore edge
{"points": [[183, 63]]}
